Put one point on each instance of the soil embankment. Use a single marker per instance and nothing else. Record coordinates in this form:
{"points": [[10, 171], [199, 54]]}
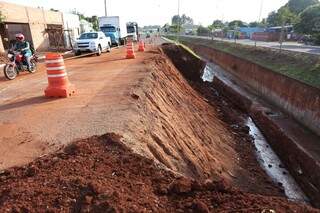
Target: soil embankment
{"points": [[101, 174]]}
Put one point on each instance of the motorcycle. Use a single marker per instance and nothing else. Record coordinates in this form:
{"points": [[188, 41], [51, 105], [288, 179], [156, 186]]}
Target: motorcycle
{"points": [[18, 64]]}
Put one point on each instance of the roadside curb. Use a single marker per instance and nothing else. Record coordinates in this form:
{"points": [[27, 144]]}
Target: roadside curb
{"points": [[168, 40]]}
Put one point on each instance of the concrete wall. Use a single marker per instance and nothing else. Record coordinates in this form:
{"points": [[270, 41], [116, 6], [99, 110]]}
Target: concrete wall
{"points": [[294, 97], [72, 24], [37, 19], [1, 45]]}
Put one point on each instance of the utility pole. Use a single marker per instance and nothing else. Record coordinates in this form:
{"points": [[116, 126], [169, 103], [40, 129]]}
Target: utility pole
{"points": [[179, 20], [105, 8], [259, 19]]}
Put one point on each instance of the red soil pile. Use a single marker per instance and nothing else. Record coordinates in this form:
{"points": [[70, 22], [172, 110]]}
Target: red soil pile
{"points": [[100, 174]]}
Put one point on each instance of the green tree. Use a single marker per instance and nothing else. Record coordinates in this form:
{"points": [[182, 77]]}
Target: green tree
{"points": [[93, 19], [286, 17], [297, 6], [218, 24], [309, 22], [236, 23], [272, 19], [1, 17], [203, 30], [282, 16], [181, 20]]}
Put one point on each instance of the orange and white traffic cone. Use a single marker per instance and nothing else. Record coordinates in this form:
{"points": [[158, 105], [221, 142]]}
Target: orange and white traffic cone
{"points": [[130, 50], [141, 46], [58, 82]]}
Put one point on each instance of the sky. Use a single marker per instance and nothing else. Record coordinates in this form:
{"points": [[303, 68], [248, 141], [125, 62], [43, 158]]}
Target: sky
{"points": [[159, 12]]}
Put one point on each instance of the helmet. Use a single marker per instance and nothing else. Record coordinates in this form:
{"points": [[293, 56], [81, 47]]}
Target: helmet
{"points": [[20, 37]]}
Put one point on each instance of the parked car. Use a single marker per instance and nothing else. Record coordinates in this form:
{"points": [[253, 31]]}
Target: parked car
{"points": [[93, 42]]}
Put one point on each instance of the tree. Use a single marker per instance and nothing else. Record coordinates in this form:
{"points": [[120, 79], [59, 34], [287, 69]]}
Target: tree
{"points": [[236, 23], [282, 17], [254, 24], [181, 20], [286, 17], [93, 19], [218, 24], [309, 22], [1, 17], [272, 19], [203, 30], [54, 10], [297, 6]]}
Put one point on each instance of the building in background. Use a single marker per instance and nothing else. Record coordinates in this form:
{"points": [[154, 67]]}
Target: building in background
{"points": [[85, 26], [72, 29], [42, 28], [249, 31]]}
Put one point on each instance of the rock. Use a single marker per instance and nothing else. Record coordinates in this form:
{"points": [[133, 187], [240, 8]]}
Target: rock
{"points": [[88, 199], [135, 96], [200, 207], [31, 171], [181, 186]]}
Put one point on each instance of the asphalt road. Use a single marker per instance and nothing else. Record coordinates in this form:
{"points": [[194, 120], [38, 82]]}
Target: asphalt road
{"points": [[290, 46]]}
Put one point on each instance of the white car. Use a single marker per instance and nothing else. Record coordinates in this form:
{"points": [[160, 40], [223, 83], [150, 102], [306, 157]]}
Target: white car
{"points": [[93, 42]]}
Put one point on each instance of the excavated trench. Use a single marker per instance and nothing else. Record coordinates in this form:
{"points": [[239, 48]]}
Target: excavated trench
{"points": [[265, 155]]}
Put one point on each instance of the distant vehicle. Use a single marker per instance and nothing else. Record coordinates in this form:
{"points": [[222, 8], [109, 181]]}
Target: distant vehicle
{"points": [[93, 42], [114, 27], [148, 35], [133, 31], [18, 64]]}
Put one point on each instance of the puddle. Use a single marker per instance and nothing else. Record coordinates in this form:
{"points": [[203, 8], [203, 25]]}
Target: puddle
{"points": [[208, 74], [271, 163]]}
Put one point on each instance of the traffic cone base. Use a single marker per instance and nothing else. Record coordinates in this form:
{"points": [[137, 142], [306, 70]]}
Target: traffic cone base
{"points": [[130, 50], [130, 55], [141, 46], [60, 92]]}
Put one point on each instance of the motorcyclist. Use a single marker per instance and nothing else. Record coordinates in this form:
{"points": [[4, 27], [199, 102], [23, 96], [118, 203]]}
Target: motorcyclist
{"points": [[23, 47]]}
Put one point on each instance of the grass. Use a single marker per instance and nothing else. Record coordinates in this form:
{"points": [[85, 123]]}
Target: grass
{"points": [[303, 67]]}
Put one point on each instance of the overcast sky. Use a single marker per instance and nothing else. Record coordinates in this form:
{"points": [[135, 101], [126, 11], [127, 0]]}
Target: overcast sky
{"points": [[151, 12]]}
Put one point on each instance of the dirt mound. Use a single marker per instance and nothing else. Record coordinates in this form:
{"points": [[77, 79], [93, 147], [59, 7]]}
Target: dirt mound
{"points": [[100, 174], [178, 128]]}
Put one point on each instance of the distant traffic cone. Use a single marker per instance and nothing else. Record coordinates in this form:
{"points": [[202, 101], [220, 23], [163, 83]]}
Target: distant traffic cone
{"points": [[58, 82], [141, 46], [130, 50]]}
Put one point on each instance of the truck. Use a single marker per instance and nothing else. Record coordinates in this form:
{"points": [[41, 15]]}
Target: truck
{"points": [[133, 31], [115, 28]]}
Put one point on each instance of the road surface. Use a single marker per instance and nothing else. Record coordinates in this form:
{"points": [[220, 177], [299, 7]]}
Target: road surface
{"points": [[290, 46], [32, 125]]}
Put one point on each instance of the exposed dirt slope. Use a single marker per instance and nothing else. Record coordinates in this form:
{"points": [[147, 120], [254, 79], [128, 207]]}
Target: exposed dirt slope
{"points": [[101, 175], [180, 129]]}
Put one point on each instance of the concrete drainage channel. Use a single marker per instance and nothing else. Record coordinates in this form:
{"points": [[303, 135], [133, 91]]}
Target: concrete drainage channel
{"points": [[266, 156], [286, 164]]}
